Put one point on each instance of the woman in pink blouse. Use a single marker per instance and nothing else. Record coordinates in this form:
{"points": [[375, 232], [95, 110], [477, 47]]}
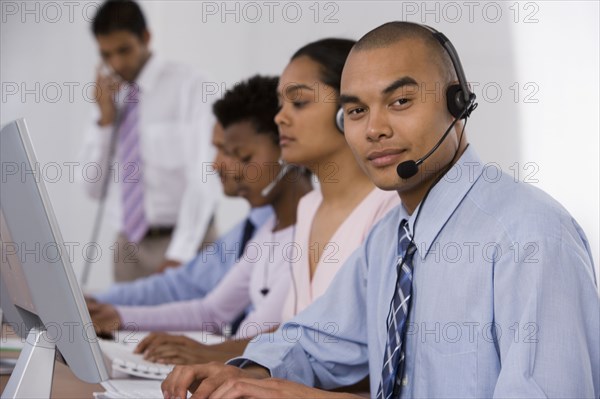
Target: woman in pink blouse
{"points": [[333, 221]]}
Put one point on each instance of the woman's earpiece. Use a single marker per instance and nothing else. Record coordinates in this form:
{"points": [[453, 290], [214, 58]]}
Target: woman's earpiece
{"points": [[339, 120]]}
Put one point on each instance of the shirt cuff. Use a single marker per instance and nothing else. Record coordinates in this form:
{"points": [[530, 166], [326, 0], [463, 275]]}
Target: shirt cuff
{"points": [[101, 135], [242, 362], [135, 318], [181, 250]]}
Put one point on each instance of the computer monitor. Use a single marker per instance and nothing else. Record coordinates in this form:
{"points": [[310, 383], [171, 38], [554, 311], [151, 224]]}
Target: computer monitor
{"points": [[38, 276]]}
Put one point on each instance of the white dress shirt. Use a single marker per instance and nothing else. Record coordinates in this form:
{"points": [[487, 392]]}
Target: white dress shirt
{"points": [[180, 187]]}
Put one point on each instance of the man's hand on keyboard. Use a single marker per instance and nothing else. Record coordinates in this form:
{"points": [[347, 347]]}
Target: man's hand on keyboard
{"points": [[272, 388], [177, 349], [203, 380], [105, 317]]}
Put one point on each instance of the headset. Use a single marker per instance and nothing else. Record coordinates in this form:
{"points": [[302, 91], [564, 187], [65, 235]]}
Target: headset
{"points": [[339, 120], [459, 99]]}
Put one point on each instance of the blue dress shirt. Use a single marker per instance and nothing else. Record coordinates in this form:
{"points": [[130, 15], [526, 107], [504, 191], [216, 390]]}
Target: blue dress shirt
{"points": [[505, 302], [193, 280]]}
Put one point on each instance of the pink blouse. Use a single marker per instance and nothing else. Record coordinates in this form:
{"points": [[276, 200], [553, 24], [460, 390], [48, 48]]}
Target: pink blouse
{"points": [[347, 238]]}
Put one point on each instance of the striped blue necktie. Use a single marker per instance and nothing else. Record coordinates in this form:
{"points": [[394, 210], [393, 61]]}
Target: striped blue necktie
{"points": [[135, 225], [393, 360]]}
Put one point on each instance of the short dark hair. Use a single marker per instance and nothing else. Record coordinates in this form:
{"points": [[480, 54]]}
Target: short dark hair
{"points": [[119, 15], [331, 56], [253, 100], [393, 32]]}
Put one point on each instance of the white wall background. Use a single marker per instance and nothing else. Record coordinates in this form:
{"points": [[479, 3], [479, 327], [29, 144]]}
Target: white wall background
{"points": [[533, 65]]}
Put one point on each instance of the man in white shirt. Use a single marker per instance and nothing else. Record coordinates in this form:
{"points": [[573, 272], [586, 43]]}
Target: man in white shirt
{"points": [[153, 128]]}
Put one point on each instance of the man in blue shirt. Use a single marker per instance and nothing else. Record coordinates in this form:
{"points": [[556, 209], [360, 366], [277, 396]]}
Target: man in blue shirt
{"points": [[198, 277], [502, 298]]}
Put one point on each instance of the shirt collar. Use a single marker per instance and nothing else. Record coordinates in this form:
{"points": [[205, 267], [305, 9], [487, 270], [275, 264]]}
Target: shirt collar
{"points": [[258, 216], [149, 74], [442, 201]]}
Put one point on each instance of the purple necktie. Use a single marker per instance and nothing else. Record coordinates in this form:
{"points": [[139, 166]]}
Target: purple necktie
{"points": [[135, 224]]}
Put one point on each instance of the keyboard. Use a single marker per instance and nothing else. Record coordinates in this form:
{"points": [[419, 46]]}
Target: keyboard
{"points": [[134, 389], [136, 394], [123, 360]]}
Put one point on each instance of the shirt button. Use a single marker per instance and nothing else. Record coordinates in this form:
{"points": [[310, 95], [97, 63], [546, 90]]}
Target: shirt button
{"points": [[405, 381]]}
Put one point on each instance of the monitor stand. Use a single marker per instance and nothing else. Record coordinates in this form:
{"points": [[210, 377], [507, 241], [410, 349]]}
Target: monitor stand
{"points": [[32, 376]]}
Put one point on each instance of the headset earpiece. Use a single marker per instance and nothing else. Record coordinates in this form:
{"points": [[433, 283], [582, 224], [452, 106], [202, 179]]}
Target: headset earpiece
{"points": [[455, 101], [339, 120]]}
